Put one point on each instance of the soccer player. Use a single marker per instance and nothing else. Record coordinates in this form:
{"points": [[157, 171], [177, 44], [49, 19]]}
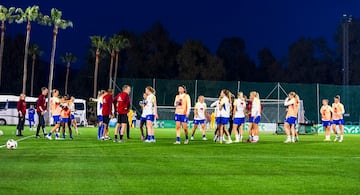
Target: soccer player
{"points": [[338, 119], [199, 117], [99, 113], [143, 118], [255, 115], [215, 105], [150, 110], [325, 112], [71, 105], [225, 106], [21, 108], [31, 114], [239, 116], [107, 112], [55, 111], [123, 107], [65, 117], [41, 109], [292, 103], [182, 105]]}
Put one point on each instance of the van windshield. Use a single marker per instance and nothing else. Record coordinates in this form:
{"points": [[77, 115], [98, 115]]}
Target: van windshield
{"points": [[79, 106]]}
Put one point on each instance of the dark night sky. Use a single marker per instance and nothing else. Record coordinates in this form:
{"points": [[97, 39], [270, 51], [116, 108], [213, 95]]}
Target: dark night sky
{"points": [[262, 23]]}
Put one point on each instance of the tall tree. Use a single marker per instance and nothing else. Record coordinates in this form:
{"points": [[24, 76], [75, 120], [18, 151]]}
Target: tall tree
{"points": [[269, 69], [237, 63], [55, 20], [68, 58], [120, 43], [31, 14], [195, 62], [6, 15], [34, 52], [98, 43], [110, 48]]}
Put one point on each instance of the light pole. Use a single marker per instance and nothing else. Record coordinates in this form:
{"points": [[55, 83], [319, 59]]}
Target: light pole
{"points": [[346, 20]]}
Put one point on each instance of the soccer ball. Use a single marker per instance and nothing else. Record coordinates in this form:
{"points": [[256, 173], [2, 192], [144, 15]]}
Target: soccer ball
{"points": [[1, 133], [11, 144]]}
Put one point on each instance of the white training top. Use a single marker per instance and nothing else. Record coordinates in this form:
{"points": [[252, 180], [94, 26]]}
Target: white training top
{"points": [[225, 107], [216, 104], [143, 103], [98, 105], [201, 108], [149, 105], [240, 108], [256, 108], [72, 107]]}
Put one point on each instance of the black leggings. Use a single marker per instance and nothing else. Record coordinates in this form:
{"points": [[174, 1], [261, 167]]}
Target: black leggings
{"points": [[41, 123]]}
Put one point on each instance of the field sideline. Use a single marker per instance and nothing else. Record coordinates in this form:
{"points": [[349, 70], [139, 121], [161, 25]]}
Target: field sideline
{"points": [[88, 166]]}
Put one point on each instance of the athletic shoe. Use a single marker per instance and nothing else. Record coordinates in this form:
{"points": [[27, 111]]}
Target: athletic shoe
{"points": [[153, 140], [59, 138], [220, 141], [102, 138], [341, 140], [192, 138], [204, 138], [229, 141], [37, 136], [248, 140], [327, 140], [336, 138], [186, 141], [177, 142], [237, 141], [147, 141], [49, 137], [116, 140], [292, 140], [297, 139], [254, 141], [215, 138], [107, 138], [142, 137], [287, 141]]}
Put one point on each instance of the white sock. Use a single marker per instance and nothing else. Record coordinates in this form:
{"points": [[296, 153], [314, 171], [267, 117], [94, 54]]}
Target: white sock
{"points": [[288, 137], [341, 136], [229, 137]]}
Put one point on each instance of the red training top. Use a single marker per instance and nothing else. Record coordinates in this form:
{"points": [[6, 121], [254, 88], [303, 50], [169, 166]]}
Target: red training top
{"points": [[21, 107], [107, 105], [123, 103], [41, 103]]}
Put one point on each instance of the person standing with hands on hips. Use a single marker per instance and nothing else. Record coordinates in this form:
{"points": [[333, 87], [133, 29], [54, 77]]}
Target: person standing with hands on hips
{"points": [[40, 110], [182, 111]]}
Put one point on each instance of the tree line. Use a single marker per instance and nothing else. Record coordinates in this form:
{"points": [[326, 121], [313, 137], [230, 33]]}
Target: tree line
{"points": [[154, 54]]}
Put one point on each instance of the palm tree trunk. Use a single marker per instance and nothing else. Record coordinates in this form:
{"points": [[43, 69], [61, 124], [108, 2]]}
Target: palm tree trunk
{"points": [[111, 68], [116, 69], [51, 73], [67, 77], [26, 53], [32, 75], [96, 71], [2, 47]]}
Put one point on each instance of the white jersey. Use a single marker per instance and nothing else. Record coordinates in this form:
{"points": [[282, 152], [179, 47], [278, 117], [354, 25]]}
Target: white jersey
{"points": [[142, 104], [72, 107], [98, 105], [201, 108], [216, 104], [149, 105], [225, 107], [256, 108], [240, 108]]}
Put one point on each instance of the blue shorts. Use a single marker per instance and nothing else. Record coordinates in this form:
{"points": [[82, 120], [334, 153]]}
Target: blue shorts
{"points": [[199, 122], [143, 119], [326, 123], [64, 120], [72, 117], [224, 120], [100, 118], [217, 120], [56, 119], [150, 117], [290, 120], [181, 118], [338, 122], [239, 121], [255, 120]]}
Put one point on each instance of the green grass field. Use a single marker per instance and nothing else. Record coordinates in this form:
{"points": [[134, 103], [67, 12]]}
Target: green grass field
{"points": [[88, 166]]}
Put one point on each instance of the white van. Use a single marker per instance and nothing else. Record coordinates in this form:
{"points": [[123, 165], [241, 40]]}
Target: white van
{"points": [[9, 114]]}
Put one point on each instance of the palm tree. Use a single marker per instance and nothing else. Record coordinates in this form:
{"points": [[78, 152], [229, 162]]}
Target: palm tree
{"points": [[109, 47], [34, 51], [98, 43], [31, 14], [6, 15], [55, 20], [121, 43], [68, 58]]}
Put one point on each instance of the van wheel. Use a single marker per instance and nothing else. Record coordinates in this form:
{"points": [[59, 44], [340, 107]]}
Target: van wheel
{"points": [[2, 122]]}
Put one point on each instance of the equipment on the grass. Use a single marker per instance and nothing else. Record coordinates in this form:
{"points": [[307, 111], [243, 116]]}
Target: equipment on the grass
{"points": [[1, 133], [11, 144]]}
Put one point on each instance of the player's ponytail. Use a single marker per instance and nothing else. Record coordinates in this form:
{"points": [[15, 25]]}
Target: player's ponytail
{"points": [[151, 89]]}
